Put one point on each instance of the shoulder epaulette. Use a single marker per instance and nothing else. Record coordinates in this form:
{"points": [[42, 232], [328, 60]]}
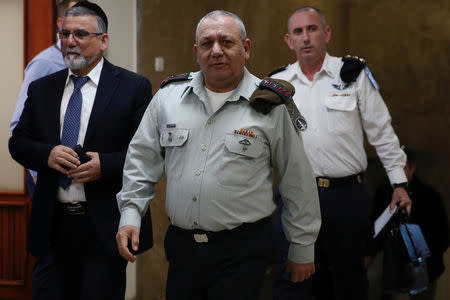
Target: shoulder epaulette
{"points": [[351, 68], [173, 78], [270, 93], [278, 88], [277, 70]]}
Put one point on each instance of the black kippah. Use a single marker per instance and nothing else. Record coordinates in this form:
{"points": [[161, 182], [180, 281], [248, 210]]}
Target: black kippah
{"points": [[97, 10]]}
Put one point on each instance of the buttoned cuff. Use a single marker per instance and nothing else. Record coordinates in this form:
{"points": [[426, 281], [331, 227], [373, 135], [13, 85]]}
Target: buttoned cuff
{"points": [[130, 216], [301, 254], [397, 176]]}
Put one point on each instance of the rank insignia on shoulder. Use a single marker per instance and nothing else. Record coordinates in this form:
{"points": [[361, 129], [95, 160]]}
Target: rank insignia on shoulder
{"points": [[173, 78], [279, 88], [349, 57], [278, 70], [269, 93], [351, 68]]}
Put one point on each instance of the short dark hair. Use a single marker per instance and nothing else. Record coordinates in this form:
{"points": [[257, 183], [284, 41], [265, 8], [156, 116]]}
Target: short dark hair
{"points": [[307, 8]]}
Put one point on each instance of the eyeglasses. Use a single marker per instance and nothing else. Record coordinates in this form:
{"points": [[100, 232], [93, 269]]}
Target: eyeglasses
{"points": [[78, 34]]}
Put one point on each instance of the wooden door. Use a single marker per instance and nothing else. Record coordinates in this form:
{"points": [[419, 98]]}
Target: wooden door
{"points": [[15, 263]]}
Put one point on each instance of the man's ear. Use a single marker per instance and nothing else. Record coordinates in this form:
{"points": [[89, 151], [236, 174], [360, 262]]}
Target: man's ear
{"points": [[59, 24], [287, 39], [327, 33], [105, 41], [247, 45], [196, 52]]}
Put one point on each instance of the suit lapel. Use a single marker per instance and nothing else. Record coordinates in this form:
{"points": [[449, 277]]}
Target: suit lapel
{"points": [[106, 87], [54, 107]]}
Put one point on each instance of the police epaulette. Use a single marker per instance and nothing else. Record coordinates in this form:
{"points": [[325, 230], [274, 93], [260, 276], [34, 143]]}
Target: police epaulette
{"points": [[281, 90], [277, 70], [351, 68], [173, 78]]}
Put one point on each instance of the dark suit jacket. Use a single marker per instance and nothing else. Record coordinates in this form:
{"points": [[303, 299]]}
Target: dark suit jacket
{"points": [[121, 99]]}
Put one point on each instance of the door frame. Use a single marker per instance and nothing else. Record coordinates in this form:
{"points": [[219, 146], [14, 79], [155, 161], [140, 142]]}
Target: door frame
{"points": [[16, 264]]}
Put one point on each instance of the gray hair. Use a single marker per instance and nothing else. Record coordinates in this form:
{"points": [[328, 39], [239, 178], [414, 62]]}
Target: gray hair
{"points": [[83, 11], [308, 8], [217, 13]]}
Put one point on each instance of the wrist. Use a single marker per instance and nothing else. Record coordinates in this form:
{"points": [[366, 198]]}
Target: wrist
{"points": [[403, 185]]}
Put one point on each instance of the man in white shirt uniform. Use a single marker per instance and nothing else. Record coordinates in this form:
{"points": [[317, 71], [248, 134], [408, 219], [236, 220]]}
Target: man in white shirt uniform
{"points": [[339, 102]]}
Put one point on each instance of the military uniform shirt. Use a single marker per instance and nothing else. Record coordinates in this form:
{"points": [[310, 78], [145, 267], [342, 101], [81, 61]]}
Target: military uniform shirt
{"points": [[219, 177], [336, 115]]}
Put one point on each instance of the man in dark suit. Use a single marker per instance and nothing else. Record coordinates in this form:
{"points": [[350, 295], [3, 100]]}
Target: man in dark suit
{"points": [[74, 216]]}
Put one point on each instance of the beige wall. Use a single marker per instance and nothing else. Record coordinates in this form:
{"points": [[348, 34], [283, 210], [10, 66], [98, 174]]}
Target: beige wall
{"points": [[123, 30], [405, 42], [11, 60]]}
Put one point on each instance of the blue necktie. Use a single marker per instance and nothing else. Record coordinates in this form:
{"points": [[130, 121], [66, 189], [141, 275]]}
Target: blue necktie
{"points": [[71, 126]]}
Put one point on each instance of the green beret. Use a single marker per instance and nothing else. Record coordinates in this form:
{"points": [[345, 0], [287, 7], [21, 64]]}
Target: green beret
{"points": [[272, 92], [269, 93]]}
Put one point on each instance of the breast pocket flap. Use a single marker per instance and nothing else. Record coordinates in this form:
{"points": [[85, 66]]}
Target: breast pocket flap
{"points": [[174, 138], [345, 103], [243, 145]]}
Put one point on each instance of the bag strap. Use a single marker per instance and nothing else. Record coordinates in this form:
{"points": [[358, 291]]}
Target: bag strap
{"points": [[418, 257], [401, 220]]}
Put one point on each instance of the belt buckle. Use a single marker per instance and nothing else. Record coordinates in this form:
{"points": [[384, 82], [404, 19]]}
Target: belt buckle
{"points": [[74, 210], [200, 238], [323, 183]]}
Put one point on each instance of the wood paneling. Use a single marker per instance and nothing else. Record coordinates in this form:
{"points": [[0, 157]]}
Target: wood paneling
{"points": [[15, 263], [39, 27]]}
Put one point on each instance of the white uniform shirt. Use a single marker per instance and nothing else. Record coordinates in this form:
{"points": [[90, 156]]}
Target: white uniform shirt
{"points": [[217, 178], [336, 118]]}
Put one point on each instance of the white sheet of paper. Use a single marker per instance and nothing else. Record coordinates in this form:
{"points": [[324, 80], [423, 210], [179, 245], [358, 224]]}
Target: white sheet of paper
{"points": [[383, 219]]}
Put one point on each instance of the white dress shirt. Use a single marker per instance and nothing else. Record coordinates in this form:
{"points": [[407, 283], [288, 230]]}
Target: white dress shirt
{"points": [[336, 118], [75, 192]]}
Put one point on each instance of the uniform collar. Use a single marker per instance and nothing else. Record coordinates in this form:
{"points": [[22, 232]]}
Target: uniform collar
{"points": [[245, 88], [328, 67]]}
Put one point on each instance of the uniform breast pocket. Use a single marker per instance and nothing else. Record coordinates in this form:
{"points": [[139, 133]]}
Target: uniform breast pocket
{"points": [[342, 113], [173, 142], [243, 161]]}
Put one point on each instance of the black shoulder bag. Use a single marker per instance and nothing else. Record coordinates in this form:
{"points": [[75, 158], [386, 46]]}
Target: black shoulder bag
{"points": [[405, 253]]}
